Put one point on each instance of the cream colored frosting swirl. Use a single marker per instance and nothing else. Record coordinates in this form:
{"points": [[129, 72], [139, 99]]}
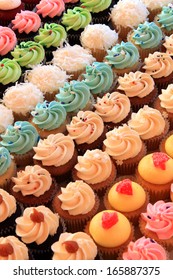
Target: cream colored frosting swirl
{"points": [[6, 117], [56, 149], [85, 249], [122, 143], [7, 205], [158, 65], [9, 5], [166, 98], [169, 44], [14, 249], [147, 122], [36, 224], [34, 180], [136, 84], [152, 4], [94, 166], [113, 107], [86, 127], [77, 198]]}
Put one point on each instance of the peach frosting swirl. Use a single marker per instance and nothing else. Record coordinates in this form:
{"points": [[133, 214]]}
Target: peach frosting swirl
{"points": [[94, 166], [113, 107], [11, 248], [169, 44], [34, 180], [166, 98], [50, 8], [7, 205], [159, 219], [147, 122], [158, 65], [86, 127], [36, 224], [136, 84], [82, 247], [122, 143], [56, 149], [26, 21], [77, 198], [8, 40]]}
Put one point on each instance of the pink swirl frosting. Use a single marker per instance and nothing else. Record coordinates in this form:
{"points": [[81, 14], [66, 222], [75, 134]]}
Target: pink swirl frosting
{"points": [[8, 40], [159, 219], [144, 249], [26, 21], [50, 8]]}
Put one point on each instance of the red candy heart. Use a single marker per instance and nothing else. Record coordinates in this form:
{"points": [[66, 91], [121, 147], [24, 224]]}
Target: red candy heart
{"points": [[109, 219], [159, 160], [125, 187]]}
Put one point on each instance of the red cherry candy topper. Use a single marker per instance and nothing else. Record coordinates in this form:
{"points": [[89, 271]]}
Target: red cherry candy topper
{"points": [[125, 187], [109, 219], [71, 246], [159, 160]]}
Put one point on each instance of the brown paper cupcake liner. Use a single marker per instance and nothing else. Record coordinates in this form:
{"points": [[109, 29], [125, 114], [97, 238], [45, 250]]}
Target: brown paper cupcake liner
{"points": [[24, 159], [121, 72], [5, 179], [99, 54], [75, 74], [21, 117], [157, 105], [122, 31], [163, 82], [162, 143]]}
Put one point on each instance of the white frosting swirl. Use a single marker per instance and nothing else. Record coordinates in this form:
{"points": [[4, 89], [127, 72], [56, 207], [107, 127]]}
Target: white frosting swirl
{"points": [[7, 205], [6, 117]]}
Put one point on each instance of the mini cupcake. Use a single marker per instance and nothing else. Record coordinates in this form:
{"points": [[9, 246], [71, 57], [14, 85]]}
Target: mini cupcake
{"points": [[98, 38], [75, 96], [150, 125], [123, 58], [127, 197], [48, 78], [25, 25], [11, 248], [49, 118], [164, 19], [159, 178], [30, 4], [96, 169], [74, 246], [50, 10], [72, 59], [17, 99], [28, 54], [125, 147], [76, 204], [8, 10], [114, 109], [164, 103], [6, 117], [155, 7], [168, 45], [139, 87], [33, 186], [56, 153], [51, 36], [44, 228], [144, 249], [87, 130], [100, 78], [19, 139], [113, 234], [75, 20], [126, 15], [7, 168], [166, 144], [157, 223], [147, 37], [9, 211], [8, 41]]}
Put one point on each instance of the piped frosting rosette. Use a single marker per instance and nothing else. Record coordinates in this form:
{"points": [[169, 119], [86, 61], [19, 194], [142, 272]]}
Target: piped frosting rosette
{"points": [[50, 8], [26, 22], [8, 40], [11, 248]]}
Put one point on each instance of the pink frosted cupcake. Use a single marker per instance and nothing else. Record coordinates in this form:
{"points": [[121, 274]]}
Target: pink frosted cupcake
{"points": [[8, 40], [50, 10]]}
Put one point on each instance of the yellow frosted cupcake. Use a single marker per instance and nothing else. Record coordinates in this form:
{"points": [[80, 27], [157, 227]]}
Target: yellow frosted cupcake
{"points": [[167, 144]]}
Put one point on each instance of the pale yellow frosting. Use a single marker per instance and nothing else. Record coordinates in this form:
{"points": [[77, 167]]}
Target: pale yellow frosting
{"points": [[152, 174], [56, 149], [158, 65], [168, 44], [156, 4], [113, 107], [87, 249], [122, 143], [7, 205], [94, 166], [112, 237], [22, 98], [6, 117], [147, 122], [127, 203], [38, 232], [169, 145], [34, 180], [77, 198], [98, 36], [48, 78], [166, 98], [9, 5], [19, 249], [136, 84], [86, 127]]}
